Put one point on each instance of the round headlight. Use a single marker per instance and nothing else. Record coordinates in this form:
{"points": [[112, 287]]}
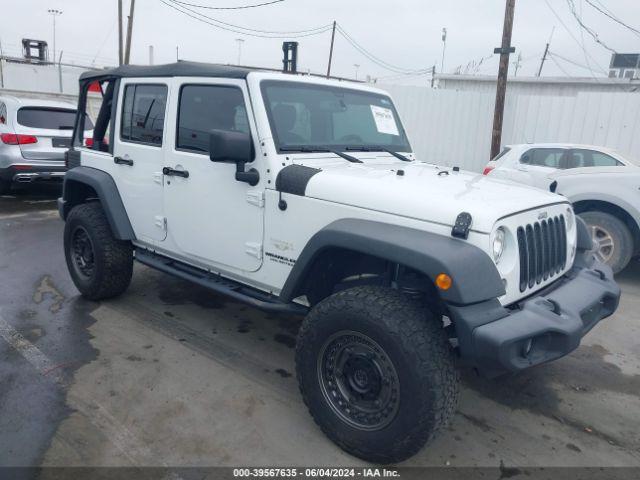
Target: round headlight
{"points": [[498, 244], [570, 218]]}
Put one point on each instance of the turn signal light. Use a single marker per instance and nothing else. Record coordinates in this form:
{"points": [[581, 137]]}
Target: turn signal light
{"points": [[14, 139], [443, 281]]}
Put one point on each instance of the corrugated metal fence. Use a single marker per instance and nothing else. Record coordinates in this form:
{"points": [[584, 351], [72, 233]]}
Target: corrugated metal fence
{"points": [[454, 127]]}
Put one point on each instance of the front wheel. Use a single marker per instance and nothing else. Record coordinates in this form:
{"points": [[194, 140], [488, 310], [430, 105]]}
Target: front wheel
{"points": [[612, 238], [377, 372], [100, 265]]}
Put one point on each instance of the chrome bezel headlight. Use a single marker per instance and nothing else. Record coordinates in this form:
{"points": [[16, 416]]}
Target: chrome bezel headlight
{"points": [[498, 244]]}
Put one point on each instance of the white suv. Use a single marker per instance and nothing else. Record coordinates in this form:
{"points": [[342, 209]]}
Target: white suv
{"points": [[300, 194]]}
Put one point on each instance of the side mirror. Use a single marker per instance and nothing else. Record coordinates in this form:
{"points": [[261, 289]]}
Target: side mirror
{"points": [[525, 159], [234, 147]]}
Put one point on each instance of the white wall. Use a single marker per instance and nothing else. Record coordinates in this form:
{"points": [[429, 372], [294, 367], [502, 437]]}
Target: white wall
{"points": [[453, 128], [40, 78]]}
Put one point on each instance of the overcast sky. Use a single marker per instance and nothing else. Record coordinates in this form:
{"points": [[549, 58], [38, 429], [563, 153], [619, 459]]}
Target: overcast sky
{"points": [[405, 34]]}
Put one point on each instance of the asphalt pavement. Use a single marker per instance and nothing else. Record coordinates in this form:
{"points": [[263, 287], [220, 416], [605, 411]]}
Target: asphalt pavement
{"points": [[171, 374]]}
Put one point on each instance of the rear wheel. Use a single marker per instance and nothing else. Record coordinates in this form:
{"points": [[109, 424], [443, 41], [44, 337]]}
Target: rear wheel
{"points": [[612, 238], [377, 373], [100, 265]]}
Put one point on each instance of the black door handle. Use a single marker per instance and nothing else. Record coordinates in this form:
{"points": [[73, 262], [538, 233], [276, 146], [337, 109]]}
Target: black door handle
{"points": [[175, 173], [123, 161]]}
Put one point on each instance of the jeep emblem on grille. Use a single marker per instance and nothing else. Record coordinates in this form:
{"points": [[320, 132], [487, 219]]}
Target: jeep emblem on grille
{"points": [[542, 215]]}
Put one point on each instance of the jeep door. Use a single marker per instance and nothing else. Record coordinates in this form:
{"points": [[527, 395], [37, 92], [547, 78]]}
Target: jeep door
{"points": [[138, 154], [212, 218]]}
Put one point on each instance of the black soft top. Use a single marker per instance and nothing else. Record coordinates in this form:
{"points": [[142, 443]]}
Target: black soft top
{"points": [[178, 69]]}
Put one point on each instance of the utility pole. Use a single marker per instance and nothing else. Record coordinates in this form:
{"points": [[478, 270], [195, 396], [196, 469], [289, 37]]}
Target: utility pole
{"points": [[357, 66], [433, 76], [546, 51], [333, 36], [505, 50], [127, 52], [444, 46], [120, 56], [177, 54], [150, 54], [54, 13]]}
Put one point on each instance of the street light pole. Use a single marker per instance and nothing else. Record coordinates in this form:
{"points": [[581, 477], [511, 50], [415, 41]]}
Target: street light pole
{"points": [[54, 13], [240, 42], [357, 67], [444, 47]]}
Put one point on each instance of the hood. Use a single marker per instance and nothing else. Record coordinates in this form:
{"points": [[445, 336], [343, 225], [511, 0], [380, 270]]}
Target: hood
{"points": [[424, 191]]}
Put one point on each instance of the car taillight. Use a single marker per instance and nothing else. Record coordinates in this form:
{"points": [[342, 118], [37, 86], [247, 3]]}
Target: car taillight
{"points": [[14, 139], [487, 170], [88, 142]]}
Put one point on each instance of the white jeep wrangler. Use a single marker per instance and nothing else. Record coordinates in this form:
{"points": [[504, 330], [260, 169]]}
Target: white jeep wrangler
{"points": [[300, 194]]}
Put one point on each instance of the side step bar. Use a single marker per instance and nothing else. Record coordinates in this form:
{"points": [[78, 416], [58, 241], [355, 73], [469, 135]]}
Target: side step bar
{"points": [[219, 284]]}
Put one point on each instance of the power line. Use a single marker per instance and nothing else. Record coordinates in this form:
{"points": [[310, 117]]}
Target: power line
{"points": [[242, 30], [553, 59], [564, 25], [378, 61], [243, 7], [606, 12], [568, 60], [590, 31]]}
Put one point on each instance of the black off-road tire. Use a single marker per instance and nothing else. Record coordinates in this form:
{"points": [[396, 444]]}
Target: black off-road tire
{"points": [[112, 258], [605, 223], [413, 340]]}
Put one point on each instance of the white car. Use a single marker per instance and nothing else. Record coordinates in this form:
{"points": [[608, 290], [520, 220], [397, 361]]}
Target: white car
{"points": [[301, 194], [601, 184]]}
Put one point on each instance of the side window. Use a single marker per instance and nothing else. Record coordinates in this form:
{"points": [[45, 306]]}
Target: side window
{"points": [[143, 108], [543, 157], [590, 158], [203, 108], [3, 113]]}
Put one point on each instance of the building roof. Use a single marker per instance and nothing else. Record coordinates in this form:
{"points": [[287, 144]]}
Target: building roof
{"points": [[178, 69], [539, 80]]}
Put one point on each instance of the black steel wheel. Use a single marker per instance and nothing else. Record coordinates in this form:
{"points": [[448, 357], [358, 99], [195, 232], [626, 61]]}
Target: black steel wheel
{"points": [[377, 372], [82, 253], [359, 380], [99, 264]]}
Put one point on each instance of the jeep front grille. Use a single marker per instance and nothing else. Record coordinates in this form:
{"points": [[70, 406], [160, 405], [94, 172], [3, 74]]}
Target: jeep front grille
{"points": [[542, 247]]}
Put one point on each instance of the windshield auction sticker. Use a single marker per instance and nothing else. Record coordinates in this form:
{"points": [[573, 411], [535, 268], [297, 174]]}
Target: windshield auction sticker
{"points": [[385, 123]]}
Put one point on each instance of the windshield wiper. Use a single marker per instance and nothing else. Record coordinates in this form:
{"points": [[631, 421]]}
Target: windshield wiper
{"points": [[309, 149], [379, 149]]}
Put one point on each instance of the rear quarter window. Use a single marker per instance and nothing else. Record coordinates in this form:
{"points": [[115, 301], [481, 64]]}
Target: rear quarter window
{"points": [[49, 118]]}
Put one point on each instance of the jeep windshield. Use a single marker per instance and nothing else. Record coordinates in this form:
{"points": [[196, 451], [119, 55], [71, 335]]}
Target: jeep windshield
{"points": [[314, 118]]}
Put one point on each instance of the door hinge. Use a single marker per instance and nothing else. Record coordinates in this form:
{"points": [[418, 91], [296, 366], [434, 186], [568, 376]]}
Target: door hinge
{"points": [[161, 222], [254, 249], [256, 197]]}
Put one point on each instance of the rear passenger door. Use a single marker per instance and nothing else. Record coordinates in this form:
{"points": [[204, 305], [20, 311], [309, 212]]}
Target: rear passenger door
{"points": [[138, 155]]}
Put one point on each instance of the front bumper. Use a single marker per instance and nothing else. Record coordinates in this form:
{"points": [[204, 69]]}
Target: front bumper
{"points": [[498, 340]]}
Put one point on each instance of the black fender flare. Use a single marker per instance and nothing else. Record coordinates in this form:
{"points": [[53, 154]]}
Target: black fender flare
{"points": [[475, 276], [107, 192]]}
